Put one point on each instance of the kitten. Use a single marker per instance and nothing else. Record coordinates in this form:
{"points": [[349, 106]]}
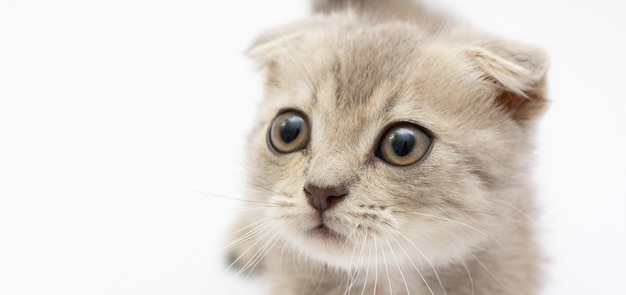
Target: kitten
{"points": [[391, 155]]}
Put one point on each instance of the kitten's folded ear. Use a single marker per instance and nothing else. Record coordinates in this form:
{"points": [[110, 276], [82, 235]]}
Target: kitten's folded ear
{"points": [[265, 50], [519, 71]]}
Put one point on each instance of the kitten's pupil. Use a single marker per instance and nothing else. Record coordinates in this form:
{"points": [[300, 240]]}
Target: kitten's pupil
{"points": [[402, 141], [290, 128]]}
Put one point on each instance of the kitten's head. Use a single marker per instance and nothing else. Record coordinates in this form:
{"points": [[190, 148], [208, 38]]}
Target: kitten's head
{"points": [[379, 138]]}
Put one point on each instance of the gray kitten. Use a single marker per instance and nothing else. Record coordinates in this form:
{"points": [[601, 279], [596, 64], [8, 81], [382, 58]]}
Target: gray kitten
{"points": [[391, 155]]}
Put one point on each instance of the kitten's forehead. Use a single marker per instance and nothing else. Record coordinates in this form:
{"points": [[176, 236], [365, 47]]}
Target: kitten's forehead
{"points": [[368, 80], [365, 61]]}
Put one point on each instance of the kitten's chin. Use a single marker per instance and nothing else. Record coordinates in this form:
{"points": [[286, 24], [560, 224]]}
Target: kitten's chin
{"points": [[327, 235], [325, 245]]}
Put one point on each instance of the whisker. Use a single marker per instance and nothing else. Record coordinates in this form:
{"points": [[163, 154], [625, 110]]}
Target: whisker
{"points": [[360, 262], [393, 254], [257, 228], [367, 270], [493, 275], [469, 275], [442, 27], [387, 271], [375, 265], [351, 274], [255, 224], [448, 220], [263, 254], [239, 199], [520, 211], [415, 267], [319, 284], [243, 253], [425, 258], [282, 252], [237, 209], [258, 189], [260, 254], [295, 265]]}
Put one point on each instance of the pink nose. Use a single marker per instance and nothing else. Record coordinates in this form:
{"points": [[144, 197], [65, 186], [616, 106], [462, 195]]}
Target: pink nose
{"points": [[323, 198]]}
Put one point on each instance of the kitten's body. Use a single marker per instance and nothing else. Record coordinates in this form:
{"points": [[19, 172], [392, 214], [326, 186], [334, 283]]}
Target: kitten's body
{"points": [[458, 221]]}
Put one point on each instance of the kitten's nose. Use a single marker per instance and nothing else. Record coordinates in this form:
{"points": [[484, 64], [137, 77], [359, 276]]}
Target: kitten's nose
{"points": [[322, 198]]}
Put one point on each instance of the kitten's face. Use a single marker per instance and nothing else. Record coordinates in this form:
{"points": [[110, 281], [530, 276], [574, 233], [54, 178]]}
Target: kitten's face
{"points": [[401, 138]]}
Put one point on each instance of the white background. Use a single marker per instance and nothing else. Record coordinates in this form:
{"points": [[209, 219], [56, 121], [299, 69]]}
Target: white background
{"points": [[117, 116]]}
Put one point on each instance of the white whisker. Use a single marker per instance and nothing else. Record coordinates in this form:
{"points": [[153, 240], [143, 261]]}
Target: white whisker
{"points": [[260, 254], [351, 275], [247, 249], [319, 284], [282, 253], [518, 210], [449, 220], [398, 266], [425, 258], [257, 227], [387, 270], [415, 267], [393, 254], [470, 276], [493, 275], [239, 199], [375, 265], [367, 269], [360, 262]]}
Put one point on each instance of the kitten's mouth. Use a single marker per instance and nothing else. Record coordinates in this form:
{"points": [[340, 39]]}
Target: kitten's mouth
{"points": [[324, 232]]}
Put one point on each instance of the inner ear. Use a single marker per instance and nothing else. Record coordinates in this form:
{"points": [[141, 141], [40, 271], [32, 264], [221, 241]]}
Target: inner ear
{"points": [[511, 101], [523, 107]]}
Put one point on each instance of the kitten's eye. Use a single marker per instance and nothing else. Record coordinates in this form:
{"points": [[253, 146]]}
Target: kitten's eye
{"points": [[289, 132], [404, 145]]}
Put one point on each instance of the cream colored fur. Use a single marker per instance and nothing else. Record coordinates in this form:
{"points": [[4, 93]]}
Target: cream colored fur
{"points": [[458, 222]]}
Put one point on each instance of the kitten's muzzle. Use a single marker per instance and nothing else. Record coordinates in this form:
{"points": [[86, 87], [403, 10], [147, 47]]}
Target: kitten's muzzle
{"points": [[323, 198]]}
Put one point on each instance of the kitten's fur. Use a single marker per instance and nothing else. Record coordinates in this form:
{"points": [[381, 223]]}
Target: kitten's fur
{"points": [[457, 222]]}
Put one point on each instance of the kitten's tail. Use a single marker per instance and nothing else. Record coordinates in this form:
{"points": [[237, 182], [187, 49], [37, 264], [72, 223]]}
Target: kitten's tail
{"points": [[385, 10]]}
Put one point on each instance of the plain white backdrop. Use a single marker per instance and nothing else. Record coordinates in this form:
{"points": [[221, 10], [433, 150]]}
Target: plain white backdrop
{"points": [[119, 121]]}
